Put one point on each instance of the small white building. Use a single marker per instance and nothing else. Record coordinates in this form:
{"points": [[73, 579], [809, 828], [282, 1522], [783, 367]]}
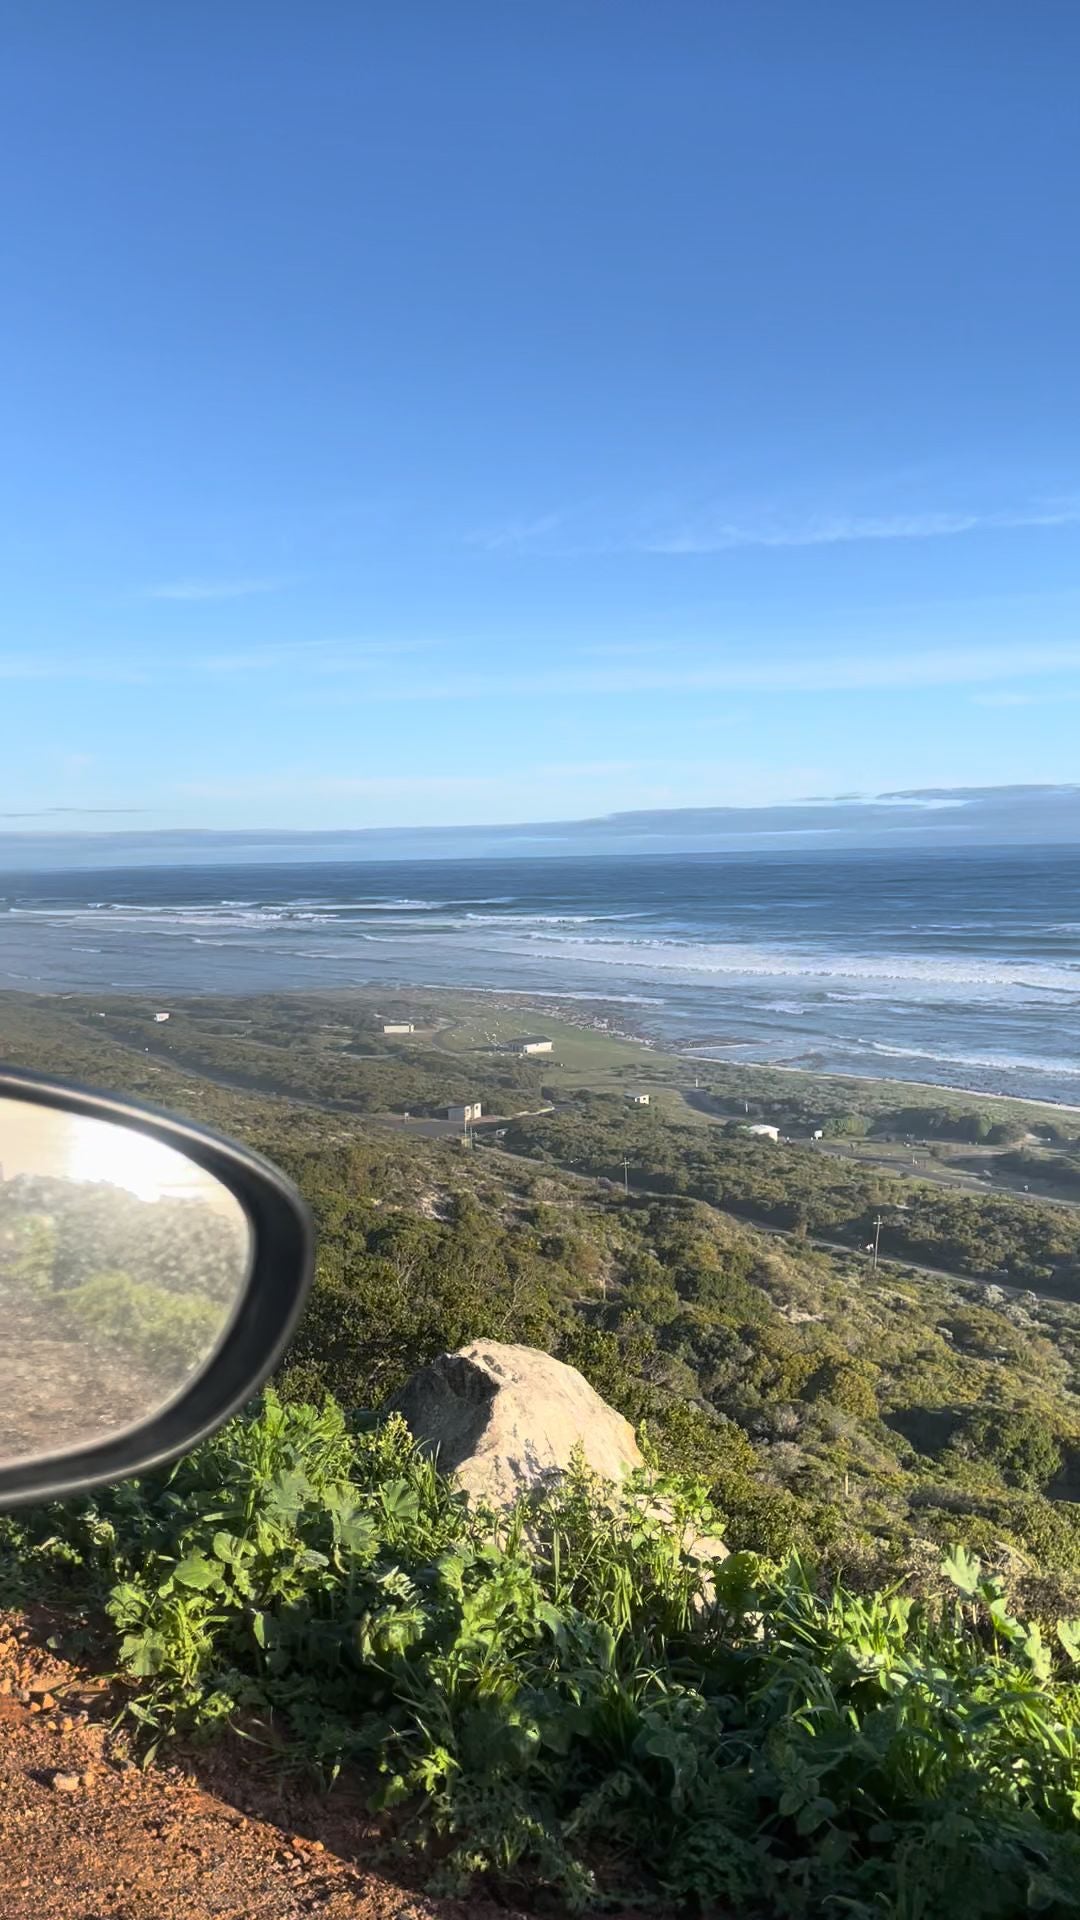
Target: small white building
{"points": [[465, 1114], [638, 1099], [531, 1044], [818, 1133], [762, 1131], [398, 1026], [159, 1017]]}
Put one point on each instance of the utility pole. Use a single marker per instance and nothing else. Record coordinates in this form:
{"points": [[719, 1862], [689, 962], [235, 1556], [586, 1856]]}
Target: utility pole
{"points": [[626, 1175], [878, 1224]]}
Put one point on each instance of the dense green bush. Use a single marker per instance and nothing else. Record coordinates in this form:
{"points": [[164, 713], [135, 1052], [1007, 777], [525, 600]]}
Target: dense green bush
{"points": [[795, 1187], [549, 1706], [557, 1715], [168, 1332], [1019, 1441]]}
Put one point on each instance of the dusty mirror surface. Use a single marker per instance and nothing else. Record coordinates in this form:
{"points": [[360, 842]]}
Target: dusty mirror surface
{"points": [[122, 1264]]}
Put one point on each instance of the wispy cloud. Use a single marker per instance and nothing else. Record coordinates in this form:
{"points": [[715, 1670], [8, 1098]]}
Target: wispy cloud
{"points": [[55, 667], [1008, 697], [202, 589], [310, 656], [594, 769], [625, 649], [515, 535], [526, 790], [1017, 697], [44, 813], [307, 785], [718, 534], [748, 671], [715, 528], [28, 667]]}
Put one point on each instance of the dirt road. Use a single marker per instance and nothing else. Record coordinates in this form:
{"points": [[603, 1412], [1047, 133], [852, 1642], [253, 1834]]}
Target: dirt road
{"points": [[218, 1834]]}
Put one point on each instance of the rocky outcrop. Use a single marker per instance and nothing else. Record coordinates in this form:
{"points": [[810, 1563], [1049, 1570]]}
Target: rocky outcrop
{"points": [[508, 1420]]}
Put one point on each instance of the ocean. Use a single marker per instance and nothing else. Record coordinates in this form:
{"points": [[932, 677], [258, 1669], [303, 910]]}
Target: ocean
{"points": [[954, 968]]}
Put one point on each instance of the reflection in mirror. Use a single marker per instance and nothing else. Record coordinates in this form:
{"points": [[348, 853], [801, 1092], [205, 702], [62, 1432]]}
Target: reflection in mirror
{"points": [[121, 1266]]}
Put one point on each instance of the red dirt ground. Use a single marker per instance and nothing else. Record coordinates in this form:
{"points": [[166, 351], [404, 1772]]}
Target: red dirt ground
{"points": [[86, 1835]]}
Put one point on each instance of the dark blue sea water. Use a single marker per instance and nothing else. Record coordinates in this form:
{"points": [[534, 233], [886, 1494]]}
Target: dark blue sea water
{"points": [[956, 968]]}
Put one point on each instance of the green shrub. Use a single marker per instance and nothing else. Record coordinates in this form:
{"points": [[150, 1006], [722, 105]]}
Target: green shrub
{"points": [[847, 1385], [1050, 1530], [758, 1518], [27, 1257], [690, 1439], [169, 1332], [1019, 1442], [547, 1704]]}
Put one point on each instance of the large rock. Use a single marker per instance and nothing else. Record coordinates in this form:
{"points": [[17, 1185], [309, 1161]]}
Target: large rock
{"points": [[508, 1420]]}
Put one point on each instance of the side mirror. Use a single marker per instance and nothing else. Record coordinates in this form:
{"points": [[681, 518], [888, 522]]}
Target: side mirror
{"points": [[151, 1275]]}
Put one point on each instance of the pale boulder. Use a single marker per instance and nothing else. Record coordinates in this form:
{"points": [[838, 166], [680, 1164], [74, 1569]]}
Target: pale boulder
{"points": [[508, 1420]]}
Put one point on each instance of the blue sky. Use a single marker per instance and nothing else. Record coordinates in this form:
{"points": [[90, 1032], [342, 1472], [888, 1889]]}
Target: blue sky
{"points": [[428, 414]]}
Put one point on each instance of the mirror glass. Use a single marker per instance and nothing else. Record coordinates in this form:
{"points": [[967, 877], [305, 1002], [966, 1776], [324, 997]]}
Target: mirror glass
{"points": [[122, 1264]]}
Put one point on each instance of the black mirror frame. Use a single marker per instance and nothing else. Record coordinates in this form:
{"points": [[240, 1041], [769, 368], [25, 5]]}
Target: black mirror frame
{"points": [[282, 1261]]}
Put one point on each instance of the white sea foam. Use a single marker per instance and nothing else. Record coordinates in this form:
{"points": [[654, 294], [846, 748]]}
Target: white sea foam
{"points": [[516, 920], [562, 937], [983, 983], [307, 911], [945, 974], [993, 1062]]}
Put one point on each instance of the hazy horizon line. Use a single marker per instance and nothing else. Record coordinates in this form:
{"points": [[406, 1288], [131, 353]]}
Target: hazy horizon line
{"points": [[915, 818]]}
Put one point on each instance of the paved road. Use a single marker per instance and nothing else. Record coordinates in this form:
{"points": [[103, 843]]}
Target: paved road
{"points": [[427, 1129], [886, 1262], [956, 1177], [938, 1173]]}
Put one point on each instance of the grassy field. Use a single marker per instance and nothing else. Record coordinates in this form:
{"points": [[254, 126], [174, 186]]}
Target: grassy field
{"points": [[581, 1056], [255, 1042]]}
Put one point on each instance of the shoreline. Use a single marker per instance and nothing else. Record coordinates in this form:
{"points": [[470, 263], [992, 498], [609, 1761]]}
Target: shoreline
{"points": [[591, 1021], [590, 1013], [924, 1086], [904, 977], [653, 1043]]}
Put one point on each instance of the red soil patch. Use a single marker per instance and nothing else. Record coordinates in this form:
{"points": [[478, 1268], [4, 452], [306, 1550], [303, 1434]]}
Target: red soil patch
{"points": [[86, 1835]]}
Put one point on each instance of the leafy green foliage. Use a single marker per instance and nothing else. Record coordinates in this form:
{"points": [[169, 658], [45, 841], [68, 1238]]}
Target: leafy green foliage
{"points": [[168, 1331], [794, 1187], [1021, 1442], [287, 1044], [549, 1703]]}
